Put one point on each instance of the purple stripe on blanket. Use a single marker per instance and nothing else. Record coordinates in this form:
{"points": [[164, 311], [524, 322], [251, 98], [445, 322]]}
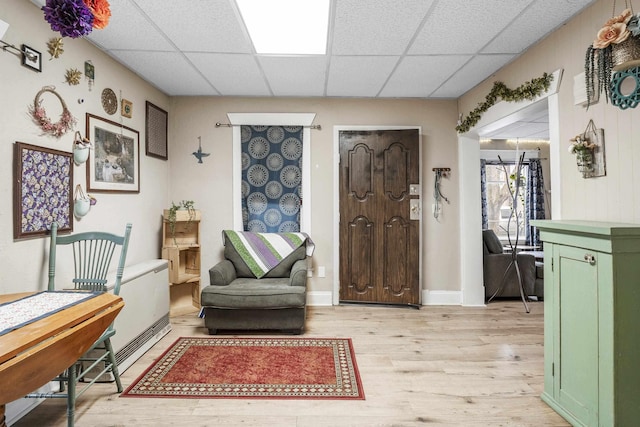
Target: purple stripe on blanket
{"points": [[262, 250]]}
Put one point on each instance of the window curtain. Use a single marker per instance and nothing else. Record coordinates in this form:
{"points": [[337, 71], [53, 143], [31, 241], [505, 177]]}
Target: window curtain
{"points": [[534, 201], [483, 191], [271, 178]]}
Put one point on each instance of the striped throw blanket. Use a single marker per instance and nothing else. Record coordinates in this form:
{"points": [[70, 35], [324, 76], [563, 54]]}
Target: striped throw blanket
{"points": [[264, 251]]}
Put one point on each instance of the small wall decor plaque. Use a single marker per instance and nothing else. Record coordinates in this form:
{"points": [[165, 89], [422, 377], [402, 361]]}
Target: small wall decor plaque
{"points": [[126, 108]]}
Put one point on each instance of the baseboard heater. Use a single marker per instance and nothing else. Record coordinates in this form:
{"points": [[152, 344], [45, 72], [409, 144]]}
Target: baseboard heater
{"points": [[142, 322]]}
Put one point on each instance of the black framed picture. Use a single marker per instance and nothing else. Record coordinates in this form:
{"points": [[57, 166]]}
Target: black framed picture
{"points": [[42, 190], [31, 58], [156, 132]]}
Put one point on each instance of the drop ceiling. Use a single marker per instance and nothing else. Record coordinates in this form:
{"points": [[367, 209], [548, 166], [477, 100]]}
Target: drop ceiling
{"points": [[376, 48]]}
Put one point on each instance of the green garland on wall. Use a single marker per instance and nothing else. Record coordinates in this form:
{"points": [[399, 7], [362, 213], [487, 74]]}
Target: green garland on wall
{"points": [[529, 90]]}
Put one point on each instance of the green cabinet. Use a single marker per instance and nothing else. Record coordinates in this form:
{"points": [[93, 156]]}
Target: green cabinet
{"points": [[592, 321]]}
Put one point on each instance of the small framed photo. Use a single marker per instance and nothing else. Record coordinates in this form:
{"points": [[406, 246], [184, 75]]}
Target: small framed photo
{"points": [[31, 58], [114, 163], [127, 108], [89, 70], [156, 122]]}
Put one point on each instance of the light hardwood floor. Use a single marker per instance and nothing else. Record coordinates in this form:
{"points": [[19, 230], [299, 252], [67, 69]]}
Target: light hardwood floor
{"points": [[437, 366]]}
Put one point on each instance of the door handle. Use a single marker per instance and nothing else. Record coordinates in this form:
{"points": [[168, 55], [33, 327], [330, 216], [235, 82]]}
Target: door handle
{"points": [[590, 258], [414, 209]]}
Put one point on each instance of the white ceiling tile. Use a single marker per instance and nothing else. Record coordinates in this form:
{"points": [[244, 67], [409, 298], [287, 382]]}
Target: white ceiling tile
{"points": [[533, 24], [199, 25], [361, 76], [295, 76], [168, 71], [376, 27], [419, 76], [129, 29], [375, 48], [471, 74], [230, 74], [457, 27]]}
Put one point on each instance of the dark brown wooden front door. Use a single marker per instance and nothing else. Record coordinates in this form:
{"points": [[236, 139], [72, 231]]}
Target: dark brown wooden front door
{"points": [[379, 243]]}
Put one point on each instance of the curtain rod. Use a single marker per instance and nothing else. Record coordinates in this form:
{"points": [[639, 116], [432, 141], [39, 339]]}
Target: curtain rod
{"points": [[229, 125]]}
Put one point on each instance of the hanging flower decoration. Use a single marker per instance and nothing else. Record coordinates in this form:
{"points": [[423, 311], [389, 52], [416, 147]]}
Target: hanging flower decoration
{"points": [[529, 90], [580, 144], [76, 18], [39, 114], [616, 42], [101, 12]]}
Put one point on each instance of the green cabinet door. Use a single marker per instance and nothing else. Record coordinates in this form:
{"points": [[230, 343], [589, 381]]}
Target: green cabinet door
{"points": [[576, 287], [591, 318]]}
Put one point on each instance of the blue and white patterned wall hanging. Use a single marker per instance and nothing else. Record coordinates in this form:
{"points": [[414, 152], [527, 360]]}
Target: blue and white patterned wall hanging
{"points": [[271, 178]]}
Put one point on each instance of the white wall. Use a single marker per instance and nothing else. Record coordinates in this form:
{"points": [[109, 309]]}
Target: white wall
{"points": [[209, 183], [23, 262]]}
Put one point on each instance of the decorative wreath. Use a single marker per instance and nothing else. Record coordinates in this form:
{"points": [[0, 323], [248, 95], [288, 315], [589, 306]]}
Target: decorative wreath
{"points": [[39, 114]]}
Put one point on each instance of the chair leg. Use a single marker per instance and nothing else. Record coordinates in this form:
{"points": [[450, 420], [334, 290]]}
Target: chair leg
{"points": [[71, 395], [114, 365]]}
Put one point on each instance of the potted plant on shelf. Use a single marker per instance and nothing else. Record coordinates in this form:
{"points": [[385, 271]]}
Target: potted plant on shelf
{"points": [[615, 48], [172, 215]]}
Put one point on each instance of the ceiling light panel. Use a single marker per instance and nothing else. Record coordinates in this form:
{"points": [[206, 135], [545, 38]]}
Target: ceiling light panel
{"points": [[287, 27]]}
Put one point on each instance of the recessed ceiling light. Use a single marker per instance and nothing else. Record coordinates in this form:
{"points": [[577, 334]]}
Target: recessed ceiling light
{"points": [[287, 26]]}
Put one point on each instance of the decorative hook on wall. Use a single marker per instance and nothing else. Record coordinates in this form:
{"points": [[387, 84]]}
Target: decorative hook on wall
{"points": [[437, 194], [199, 154], [4, 26]]}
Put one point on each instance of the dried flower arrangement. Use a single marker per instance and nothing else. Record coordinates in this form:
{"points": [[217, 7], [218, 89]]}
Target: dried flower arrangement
{"points": [[616, 47], [39, 114]]}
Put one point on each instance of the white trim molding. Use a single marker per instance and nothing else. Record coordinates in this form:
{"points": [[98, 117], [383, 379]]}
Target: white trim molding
{"points": [[497, 116]]}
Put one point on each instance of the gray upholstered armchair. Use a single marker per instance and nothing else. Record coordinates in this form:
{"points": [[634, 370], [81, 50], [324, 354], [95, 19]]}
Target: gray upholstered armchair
{"points": [[496, 262], [237, 300]]}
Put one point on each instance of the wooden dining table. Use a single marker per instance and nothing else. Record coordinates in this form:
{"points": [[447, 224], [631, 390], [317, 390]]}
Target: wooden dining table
{"points": [[33, 354]]}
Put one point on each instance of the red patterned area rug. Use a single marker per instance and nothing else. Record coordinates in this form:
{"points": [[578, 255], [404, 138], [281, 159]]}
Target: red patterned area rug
{"points": [[251, 368]]}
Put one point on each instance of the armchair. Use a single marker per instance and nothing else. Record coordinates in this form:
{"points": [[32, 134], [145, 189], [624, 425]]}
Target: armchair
{"points": [[238, 300], [495, 264]]}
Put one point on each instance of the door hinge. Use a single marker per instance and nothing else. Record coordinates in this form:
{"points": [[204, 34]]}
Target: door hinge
{"points": [[553, 369], [551, 264]]}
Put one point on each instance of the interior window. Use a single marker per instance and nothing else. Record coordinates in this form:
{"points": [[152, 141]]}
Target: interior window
{"points": [[500, 180]]}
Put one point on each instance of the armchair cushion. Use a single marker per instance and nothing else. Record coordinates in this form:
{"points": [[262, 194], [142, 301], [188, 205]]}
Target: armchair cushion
{"points": [[243, 270], [491, 242]]}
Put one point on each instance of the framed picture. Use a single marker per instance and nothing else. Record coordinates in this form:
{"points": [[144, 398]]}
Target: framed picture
{"points": [[114, 162], [127, 108], [31, 58], [42, 190], [156, 132]]}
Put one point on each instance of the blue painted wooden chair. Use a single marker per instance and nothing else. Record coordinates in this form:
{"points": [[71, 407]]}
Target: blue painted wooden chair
{"points": [[92, 255]]}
